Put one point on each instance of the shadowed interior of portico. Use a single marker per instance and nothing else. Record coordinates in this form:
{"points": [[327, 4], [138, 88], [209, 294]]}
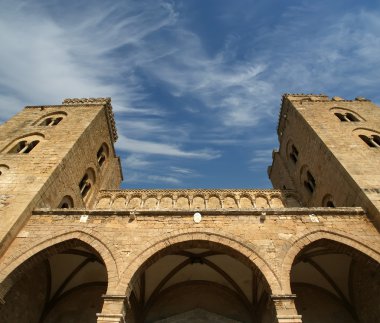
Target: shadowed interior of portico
{"points": [[202, 281]]}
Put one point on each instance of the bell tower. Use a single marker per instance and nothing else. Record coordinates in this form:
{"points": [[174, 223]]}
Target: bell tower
{"points": [[55, 157], [329, 151]]}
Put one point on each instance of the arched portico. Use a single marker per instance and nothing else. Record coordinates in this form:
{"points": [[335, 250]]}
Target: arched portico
{"points": [[42, 249], [55, 282], [335, 277], [198, 249], [298, 243]]}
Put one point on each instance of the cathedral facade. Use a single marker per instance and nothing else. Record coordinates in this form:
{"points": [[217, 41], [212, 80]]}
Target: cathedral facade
{"points": [[76, 248]]}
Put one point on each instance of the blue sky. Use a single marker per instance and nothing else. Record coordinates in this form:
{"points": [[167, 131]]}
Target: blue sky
{"points": [[196, 85]]}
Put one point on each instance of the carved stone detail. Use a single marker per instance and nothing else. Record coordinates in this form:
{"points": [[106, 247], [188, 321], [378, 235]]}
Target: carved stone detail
{"points": [[195, 199]]}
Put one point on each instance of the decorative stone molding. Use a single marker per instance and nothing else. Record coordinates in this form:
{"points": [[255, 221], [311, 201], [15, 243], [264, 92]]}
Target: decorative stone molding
{"points": [[195, 199], [77, 101]]}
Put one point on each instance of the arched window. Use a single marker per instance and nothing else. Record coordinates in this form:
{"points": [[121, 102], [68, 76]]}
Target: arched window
{"points": [[84, 185], [294, 154], [46, 122], [328, 201], [372, 141], [87, 182], [330, 204], [351, 117], [346, 115], [341, 117], [66, 203], [309, 182], [23, 147], [51, 121], [102, 154]]}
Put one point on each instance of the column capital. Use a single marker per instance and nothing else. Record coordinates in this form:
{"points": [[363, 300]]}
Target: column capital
{"points": [[285, 308], [114, 296], [114, 308], [279, 297]]}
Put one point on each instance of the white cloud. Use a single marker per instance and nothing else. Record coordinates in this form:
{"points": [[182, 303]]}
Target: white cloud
{"points": [[52, 50], [261, 159], [136, 161], [156, 148], [146, 178], [233, 90], [50, 57], [182, 171]]}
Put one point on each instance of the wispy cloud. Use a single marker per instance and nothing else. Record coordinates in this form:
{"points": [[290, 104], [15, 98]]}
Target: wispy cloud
{"points": [[176, 97], [233, 91], [150, 147], [136, 161], [50, 56], [182, 171], [152, 179], [261, 156]]}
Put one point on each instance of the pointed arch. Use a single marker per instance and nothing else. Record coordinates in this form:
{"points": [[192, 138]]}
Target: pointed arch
{"points": [[27, 257], [244, 250], [298, 243]]}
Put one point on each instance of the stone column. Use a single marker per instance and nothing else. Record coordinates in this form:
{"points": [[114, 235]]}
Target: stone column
{"points": [[286, 311], [114, 309]]}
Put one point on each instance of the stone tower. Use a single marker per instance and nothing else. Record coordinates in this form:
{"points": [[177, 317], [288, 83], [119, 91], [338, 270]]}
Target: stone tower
{"points": [[329, 152], [76, 248], [50, 157]]}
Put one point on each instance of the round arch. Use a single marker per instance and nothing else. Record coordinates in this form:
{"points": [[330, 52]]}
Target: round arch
{"points": [[50, 114], [160, 247], [52, 246], [297, 244]]}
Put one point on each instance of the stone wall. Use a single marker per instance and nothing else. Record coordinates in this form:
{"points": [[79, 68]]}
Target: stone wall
{"points": [[343, 165], [55, 166]]}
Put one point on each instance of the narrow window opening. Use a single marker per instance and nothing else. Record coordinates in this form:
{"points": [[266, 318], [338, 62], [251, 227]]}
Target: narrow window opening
{"points": [[46, 122], [330, 204], [341, 117], [84, 185], [30, 146], [376, 140], [101, 156], [56, 121], [294, 154], [310, 182], [18, 147], [49, 122], [351, 117], [66, 203], [368, 141]]}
